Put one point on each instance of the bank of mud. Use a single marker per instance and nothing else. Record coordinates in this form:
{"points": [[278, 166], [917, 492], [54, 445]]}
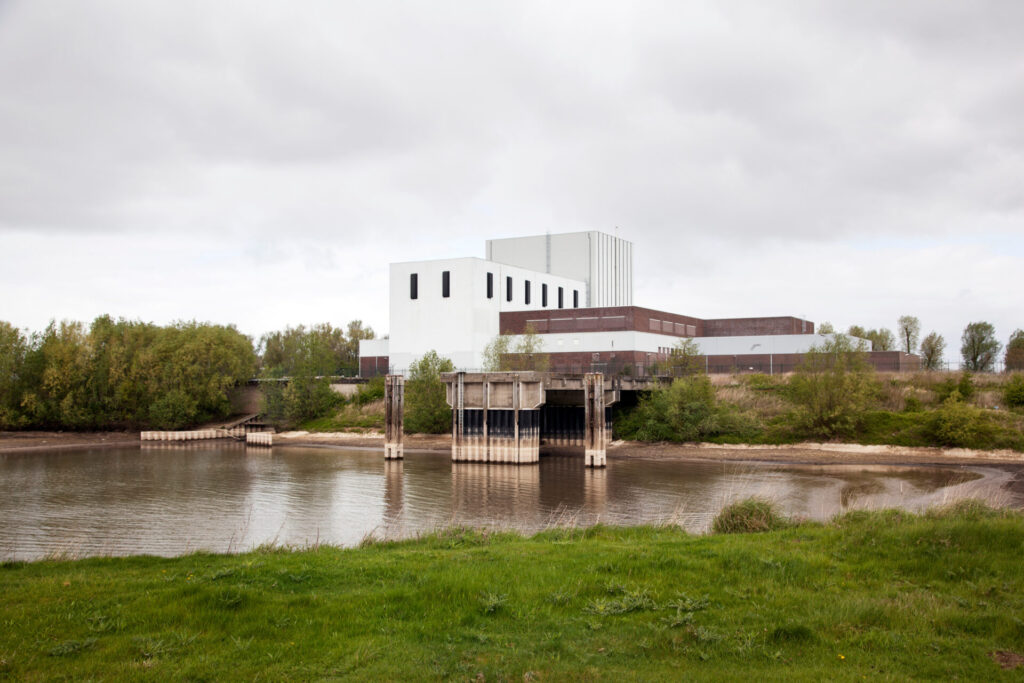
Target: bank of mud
{"points": [[803, 453]]}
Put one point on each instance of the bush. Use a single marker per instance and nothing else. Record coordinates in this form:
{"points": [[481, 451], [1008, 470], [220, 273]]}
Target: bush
{"points": [[957, 423], [964, 387], [1013, 392], [369, 392], [748, 516], [684, 411], [426, 407], [832, 389]]}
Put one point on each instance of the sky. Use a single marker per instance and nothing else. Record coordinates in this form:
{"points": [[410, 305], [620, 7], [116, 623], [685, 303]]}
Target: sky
{"points": [[261, 163]]}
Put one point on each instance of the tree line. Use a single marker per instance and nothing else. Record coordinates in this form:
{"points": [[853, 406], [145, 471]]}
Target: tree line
{"points": [[132, 374], [120, 373], [979, 345]]}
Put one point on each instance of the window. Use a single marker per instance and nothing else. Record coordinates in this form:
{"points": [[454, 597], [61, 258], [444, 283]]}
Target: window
{"points": [[561, 297], [544, 296], [508, 288], [446, 284], [414, 290], [526, 292], [575, 298], [490, 285]]}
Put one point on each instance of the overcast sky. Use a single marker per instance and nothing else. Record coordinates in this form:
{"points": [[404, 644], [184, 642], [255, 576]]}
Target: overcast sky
{"points": [[261, 163]]}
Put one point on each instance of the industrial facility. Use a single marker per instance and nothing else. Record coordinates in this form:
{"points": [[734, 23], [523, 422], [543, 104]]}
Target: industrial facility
{"points": [[575, 291]]}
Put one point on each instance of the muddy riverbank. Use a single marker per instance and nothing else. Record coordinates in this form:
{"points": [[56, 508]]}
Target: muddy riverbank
{"points": [[804, 453]]}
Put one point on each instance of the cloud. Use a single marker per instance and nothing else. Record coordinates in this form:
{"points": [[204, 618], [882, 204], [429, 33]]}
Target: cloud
{"points": [[301, 139]]}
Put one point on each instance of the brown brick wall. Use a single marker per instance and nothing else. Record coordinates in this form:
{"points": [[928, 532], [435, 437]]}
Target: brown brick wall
{"points": [[740, 327], [372, 366], [641, 319], [607, 319]]}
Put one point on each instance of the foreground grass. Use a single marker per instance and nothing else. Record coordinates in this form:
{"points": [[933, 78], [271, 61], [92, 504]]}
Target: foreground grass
{"points": [[882, 594]]}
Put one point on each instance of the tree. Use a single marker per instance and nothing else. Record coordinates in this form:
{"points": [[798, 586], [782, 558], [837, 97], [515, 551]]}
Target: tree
{"points": [[426, 407], [355, 332], [495, 353], [524, 353], [13, 347], [882, 339], [832, 388], [1014, 359], [909, 329], [685, 358], [979, 347], [932, 348], [826, 328]]}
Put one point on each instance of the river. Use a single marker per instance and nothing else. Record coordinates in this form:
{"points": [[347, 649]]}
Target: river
{"points": [[223, 497]]}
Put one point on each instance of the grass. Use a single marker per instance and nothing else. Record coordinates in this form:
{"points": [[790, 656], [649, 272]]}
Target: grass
{"points": [[878, 594], [349, 417]]}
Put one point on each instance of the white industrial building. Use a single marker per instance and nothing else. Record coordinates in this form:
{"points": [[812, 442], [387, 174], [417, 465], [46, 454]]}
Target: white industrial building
{"points": [[576, 291]]}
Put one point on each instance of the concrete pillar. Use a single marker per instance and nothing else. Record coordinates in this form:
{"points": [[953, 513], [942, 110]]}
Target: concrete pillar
{"points": [[394, 402], [595, 436], [516, 446], [458, 417]]}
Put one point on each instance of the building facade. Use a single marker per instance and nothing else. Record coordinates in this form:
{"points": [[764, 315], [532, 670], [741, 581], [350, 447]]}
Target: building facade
{"points": [[575, 291]]}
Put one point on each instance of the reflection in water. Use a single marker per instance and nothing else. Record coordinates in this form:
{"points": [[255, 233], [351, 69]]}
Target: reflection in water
{"points": [[224, 497]]}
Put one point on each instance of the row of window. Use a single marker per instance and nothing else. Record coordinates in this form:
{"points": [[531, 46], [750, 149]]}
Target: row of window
{"points": [[446, 290]]}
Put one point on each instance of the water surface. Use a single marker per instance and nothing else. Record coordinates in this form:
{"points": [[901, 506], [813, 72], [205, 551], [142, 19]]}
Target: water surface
{"points": [[223, 497]]}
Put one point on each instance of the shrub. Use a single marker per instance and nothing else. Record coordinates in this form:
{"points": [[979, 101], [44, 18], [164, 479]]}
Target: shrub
{"points": [[832, 389], [426, 408], [748, 516], [964, 387], [1013, 392], [957, 423], [685, 411], [369, 392]]}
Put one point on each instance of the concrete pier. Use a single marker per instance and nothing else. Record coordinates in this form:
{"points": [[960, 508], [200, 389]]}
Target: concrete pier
{"points": [[259, 439], [194, 435], [394, 403], [595, 437], [495, 416]]}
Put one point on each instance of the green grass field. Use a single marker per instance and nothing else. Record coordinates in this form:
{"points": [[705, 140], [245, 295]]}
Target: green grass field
{"points": [[879, 595]]}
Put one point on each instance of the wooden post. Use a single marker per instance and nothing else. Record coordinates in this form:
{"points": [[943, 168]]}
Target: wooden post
{"points": [[594, 436], [394, 402]]}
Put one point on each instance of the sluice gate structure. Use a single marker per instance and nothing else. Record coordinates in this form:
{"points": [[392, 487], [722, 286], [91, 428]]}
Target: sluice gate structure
{"points": [[509, 417]]}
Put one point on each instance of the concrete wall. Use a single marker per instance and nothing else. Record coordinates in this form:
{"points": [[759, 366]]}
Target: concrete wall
{"points": [[603, 261]]}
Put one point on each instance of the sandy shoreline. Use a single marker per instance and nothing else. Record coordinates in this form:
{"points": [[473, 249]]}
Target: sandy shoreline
{"points": [[805, 453]]}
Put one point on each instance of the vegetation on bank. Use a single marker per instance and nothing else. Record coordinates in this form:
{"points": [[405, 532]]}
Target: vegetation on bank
{"points": [[870, 594], [834, 395], [120, 373]]}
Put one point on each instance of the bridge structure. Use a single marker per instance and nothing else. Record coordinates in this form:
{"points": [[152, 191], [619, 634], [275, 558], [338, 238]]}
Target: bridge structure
{"points": [[507, 417]]}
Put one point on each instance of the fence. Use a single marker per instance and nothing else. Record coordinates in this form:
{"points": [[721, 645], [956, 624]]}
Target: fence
{"points": [[615, 368]]}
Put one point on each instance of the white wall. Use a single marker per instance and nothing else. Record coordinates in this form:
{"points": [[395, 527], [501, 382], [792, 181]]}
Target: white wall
{"points": [[628, 340], [603, 261], [460, 326]]}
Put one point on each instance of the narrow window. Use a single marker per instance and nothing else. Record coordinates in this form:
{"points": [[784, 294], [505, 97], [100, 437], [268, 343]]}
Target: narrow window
{"points": [[544, 295], [561, 297], [526, 292], [446, 284], [490, 285], [414, 290], [508, 288], [575, 298]]}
